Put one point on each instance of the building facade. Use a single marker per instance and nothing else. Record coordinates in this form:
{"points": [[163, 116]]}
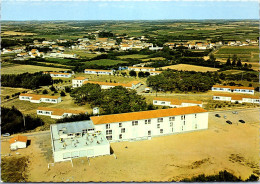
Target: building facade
{"points": [[237, 98], [141, 69], [98, 72], [175, 102], [78, 81], [233, 89], [55, 113], [39, 98], [18, 142], [58, 74]]}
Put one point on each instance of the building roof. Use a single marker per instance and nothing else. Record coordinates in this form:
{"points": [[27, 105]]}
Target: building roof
{"points": [[233, 87], [134, 82], [114, 118], [60, 112], [38, 97], [108, 83], [79, 78], [57, 73], [177, 101], [98, 70], [19, 138], [140, 67], [237, 97]]}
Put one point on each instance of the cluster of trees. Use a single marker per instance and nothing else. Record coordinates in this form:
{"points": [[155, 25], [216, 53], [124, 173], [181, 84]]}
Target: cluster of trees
{"points": [[13, 121], [183, 81], [236, 62], [248, 76], [74, 118], [220, 177], [26, 80], [140, 74], [112, 101], [105, 34]]}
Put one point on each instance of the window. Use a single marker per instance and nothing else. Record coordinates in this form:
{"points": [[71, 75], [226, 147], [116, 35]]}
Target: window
{"points": [[183, 117], [155, 101], [161, 131], [109, 137], [147, 121], [195, 115], [172, 118], [53, 100], [196, 126], [122, 130], [171, 124], [162, 102], [134, 123], [216, 97], [47, 112], [120, 124], [108, 132], [183, 122], [182, 128], [158, 125], [107, 126], [40, 112], [120, 136], [160, 120], [149, 132], [47, 100]]}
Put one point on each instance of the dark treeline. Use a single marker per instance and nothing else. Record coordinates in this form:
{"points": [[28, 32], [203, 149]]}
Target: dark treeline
{"points": [[184, 81], [13, 121], [112, 101], [26, 80], [241, 76], [74, 118]]}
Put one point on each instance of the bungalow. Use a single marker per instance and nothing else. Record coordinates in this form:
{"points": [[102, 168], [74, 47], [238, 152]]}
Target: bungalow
{"points": [[125, 47], [78, 81], [108, 85], [233, 89], [59, 74], [237, 98], [18, 142], [155, 48], [141, 69], [98, 72], [55, 113], [155, 72], [147, 124], [176, 102], [39, 98]]}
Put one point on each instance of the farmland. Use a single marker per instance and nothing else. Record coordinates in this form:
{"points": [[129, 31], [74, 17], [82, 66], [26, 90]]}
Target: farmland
{"points": [[105, 62], [133, 56], [186, 67]]}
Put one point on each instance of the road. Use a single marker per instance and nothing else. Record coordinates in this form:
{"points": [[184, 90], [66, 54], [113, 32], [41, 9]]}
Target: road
{"points": [[28, 134]]}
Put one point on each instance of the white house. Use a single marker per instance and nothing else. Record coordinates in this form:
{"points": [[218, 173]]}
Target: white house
{"points": [[108, 85], [233, 89], [78, 81], [145, 124], [18, 142], [141, 69], [77, 139], [59, 74], [99, 72], [237, 98], [39, 98], [176, 102], [55, 113], [155, 73]]}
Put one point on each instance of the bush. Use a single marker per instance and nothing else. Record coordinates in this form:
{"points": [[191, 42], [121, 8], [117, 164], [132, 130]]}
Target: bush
{"points": [[52, 88], [45, 92], [67, 89], [62, 93], [7, 97]]}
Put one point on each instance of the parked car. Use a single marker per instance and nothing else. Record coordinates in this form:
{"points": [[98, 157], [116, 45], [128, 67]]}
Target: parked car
{"points": [[241, 121], [235, 112], [6, 135], [217, 115], [229, 122]]}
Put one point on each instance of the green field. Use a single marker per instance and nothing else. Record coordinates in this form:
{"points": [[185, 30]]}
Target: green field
{"points": [[153, 59], [105, 62], [133, 56], [81, 53]]}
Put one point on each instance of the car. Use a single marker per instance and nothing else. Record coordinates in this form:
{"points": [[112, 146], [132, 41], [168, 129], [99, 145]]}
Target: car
{"points": [[6, 135], [217, 115], [229, 122], [234, 112], [241, 121]]}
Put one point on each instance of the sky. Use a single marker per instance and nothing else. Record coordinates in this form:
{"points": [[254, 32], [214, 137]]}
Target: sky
{"points": [[127, 10]]}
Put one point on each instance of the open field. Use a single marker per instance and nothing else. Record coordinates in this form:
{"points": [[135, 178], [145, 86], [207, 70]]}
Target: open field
{"points": [[13, 33], [133, 56], [81, 53], [222, 147], [153, 59], [105, 62], [17, 69], [186, 67]]}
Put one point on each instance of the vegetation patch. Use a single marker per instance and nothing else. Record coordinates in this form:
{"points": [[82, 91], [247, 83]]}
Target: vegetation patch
{"points": [[105, 62]]}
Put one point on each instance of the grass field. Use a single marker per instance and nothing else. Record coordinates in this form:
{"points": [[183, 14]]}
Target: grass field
{"points": [[81, 53], [186, 67], [153, 59], [133, 56], [106, 62], [17, 69]]}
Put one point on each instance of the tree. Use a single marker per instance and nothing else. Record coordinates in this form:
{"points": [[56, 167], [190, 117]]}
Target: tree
{"points": [[132, 73], [228, 63], [239, 64], [212, 59], [62, 93], [67, 89], [44, 92], [234, 60], [245, 65], [146, 74], [52, 88], [141, 74]]}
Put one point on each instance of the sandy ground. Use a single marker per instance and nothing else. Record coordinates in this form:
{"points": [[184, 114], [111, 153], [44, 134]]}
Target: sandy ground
{"points": [[223, 146], [186, 67]]}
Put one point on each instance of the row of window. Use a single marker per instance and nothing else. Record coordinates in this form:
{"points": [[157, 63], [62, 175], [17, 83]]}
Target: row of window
{"points": [[242, 90]]}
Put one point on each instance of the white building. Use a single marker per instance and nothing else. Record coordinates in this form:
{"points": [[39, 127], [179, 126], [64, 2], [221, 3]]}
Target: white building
{"points": [[237, 98], [78, 81], [59, 74], [155, 73], [145, 124], [77, 139], [55, 113], [141, 69], [176, 102], [108, 85], [18, 142], [233, 89], [39, 98], [61, 55], [98, 72]]}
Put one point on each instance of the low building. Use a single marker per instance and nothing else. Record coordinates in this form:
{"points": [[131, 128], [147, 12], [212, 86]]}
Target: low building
{"points": [[233, 89], [39, 98], [58, 113], [18, 142], [145, 124], [108, 85], [141, 69], [78, 81], [77, 139], [155, 73], [59, 74], [98, 72], [237, 98], [176, 102]]}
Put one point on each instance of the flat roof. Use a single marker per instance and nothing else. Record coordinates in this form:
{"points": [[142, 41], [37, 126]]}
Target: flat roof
{"points": [[38, 97], [115, 118]]}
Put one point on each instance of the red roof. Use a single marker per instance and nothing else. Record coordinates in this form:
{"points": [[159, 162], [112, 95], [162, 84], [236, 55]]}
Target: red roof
{"points": [[19, 138]]}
